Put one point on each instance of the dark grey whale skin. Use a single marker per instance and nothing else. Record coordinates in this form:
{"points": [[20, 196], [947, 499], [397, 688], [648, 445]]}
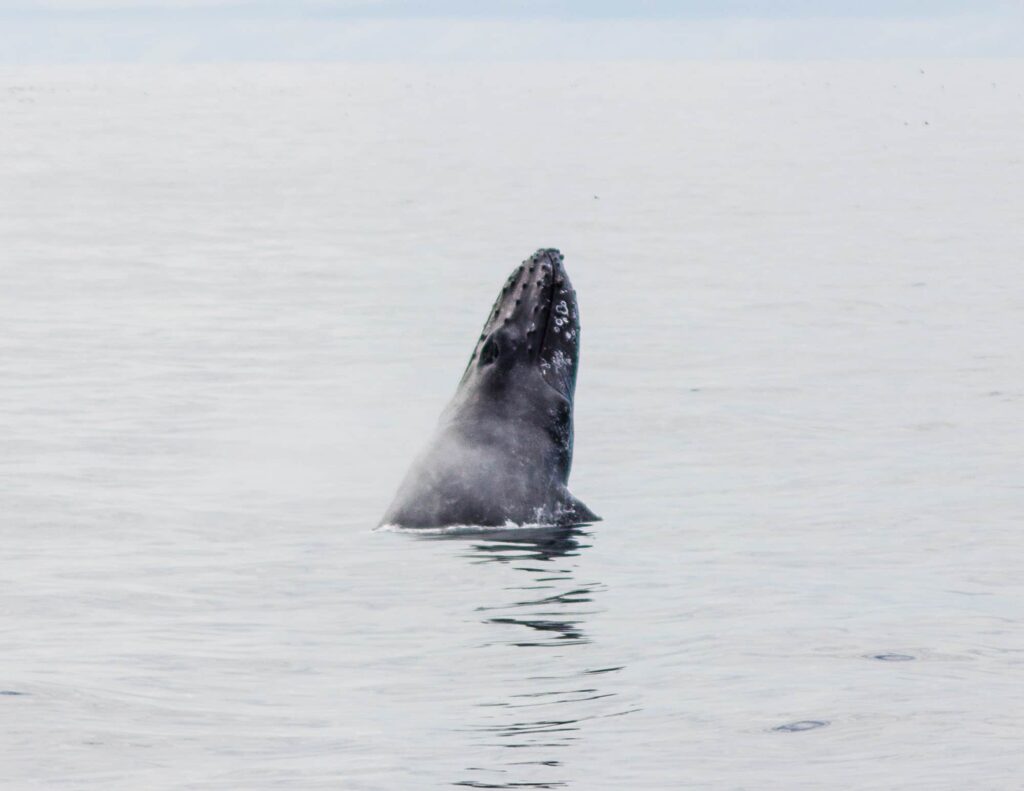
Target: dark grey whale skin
{"points": [[503, 447]]}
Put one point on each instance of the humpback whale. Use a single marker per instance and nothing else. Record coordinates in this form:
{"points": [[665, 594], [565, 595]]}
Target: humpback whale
{"points": [[502, 450]]}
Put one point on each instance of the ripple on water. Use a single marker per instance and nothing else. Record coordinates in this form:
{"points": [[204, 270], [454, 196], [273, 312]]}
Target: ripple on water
{"points": [[477, 784], [546, 607], [801, 725]]}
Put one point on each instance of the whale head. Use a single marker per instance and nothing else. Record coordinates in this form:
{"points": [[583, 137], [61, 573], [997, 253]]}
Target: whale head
{"points": [[523, 367]]}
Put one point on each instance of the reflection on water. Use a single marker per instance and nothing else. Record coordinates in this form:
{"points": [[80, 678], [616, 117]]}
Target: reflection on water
{"points": [[546, 703], [545, 608]]}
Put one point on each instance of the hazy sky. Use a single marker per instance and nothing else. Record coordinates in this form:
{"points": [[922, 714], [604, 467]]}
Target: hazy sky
{"points": [[42, 31]]}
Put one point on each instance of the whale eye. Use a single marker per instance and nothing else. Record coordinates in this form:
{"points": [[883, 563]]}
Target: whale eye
{"points": [[489, 353]]}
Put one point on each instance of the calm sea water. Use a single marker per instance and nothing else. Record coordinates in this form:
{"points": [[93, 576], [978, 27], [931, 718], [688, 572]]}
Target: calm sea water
{"points": [[233, 301]]}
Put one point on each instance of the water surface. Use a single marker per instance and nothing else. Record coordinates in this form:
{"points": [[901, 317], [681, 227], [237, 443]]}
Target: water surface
{"points": [[233, 301]]}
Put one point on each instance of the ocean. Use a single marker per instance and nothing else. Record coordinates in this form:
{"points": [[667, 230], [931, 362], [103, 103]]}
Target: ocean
{"points": [[234, 300]]}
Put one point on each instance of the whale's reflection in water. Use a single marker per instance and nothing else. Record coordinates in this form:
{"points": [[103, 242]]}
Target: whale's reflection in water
{"points": [[550, 693], [545, 608]]}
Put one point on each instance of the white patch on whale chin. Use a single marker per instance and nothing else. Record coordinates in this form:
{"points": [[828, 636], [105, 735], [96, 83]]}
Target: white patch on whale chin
{"points": [[562, 308]]}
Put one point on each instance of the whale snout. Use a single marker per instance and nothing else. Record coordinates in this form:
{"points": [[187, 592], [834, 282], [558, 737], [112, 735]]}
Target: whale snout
{"points": [[526, 298], [534, 322]]}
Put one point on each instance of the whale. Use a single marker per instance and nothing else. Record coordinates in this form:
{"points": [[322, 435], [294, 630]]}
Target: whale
{"points": [[502, 450]]}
